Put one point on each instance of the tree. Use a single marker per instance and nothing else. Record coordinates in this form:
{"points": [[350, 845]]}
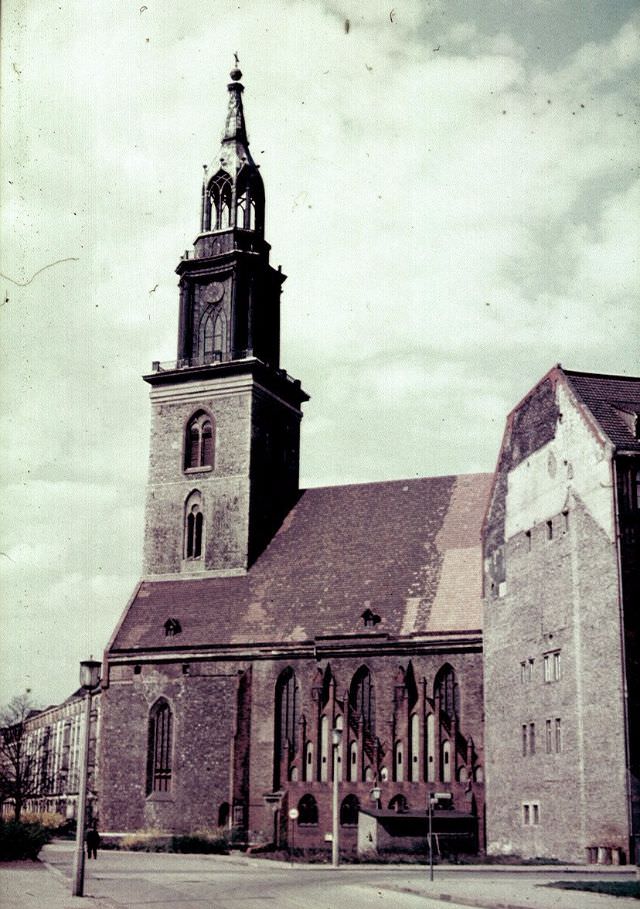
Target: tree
{"points": [[24, 773]]}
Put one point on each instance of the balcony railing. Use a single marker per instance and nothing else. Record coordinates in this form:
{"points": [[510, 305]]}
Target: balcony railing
{"points": [[214, 359]]}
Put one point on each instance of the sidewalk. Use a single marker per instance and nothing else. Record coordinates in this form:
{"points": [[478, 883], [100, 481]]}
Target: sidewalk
{"points": [[33, 885]]}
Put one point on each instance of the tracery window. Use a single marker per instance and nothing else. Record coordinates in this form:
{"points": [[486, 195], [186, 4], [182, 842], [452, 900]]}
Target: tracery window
{"points": [[362, 701], [159, 748], [214, 336], [286, 724], [446, 689], [219, 204], [198, 448]]}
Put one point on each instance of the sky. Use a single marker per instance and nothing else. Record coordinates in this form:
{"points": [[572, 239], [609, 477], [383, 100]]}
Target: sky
{"points": [[453, 190]]}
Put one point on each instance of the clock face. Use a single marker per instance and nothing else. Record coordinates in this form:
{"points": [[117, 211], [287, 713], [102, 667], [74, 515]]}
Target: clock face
{"points": [[212, 293]]}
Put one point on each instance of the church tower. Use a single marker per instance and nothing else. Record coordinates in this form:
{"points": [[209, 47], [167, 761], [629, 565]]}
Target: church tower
{"points": [[226, 419]]}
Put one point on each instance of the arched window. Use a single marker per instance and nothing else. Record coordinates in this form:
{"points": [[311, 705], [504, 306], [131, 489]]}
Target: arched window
{"points": [[430, 746], [307, 811], [362, 703], [445, 768], [286, 724], [219, 195], [414, 748], [399, 804], [159, 748], [446, 689], [198, 448], [193, 526], [349, 811], [214, 336]]}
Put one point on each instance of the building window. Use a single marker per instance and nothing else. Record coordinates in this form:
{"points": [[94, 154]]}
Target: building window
{"points": [[214, 336], [548, 736], [349, 811], [552, 666], [219, 213], [398, 765], [198, 448], [531, 814], [532, 738], [307, 811], [446, 690], [362, 704], [353, 762], [286, 724], [558, 736], [523, 671], [194, 526], [549, 530], [528, 540], [525, 740], [398, 804], [159, 748]]}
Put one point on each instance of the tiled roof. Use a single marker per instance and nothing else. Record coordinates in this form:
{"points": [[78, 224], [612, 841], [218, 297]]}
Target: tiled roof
{"points": [[614, 401], [407, 550]]}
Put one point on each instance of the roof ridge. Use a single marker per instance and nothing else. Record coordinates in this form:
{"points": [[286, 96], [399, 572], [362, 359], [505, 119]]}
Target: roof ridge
{"points": [[359, 483]]}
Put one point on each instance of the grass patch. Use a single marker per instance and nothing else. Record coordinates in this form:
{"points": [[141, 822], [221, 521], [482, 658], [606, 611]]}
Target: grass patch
{"points": [[608, 888]]}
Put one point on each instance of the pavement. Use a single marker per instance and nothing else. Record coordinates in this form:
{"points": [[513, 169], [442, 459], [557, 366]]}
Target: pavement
{"points": [[120, 880]]}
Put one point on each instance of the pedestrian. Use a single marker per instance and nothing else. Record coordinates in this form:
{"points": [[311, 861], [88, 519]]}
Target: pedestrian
{"points": [[93, 841]]}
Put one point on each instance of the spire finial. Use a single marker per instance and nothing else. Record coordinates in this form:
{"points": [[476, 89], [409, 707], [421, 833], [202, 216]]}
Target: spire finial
{"points": [[235, 73]]}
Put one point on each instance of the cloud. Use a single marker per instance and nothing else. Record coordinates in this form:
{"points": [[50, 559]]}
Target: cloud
{"points": [[455, 203]]}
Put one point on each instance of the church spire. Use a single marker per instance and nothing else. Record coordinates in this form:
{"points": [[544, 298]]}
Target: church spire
{"points": [[232, 192], [235, 129]]}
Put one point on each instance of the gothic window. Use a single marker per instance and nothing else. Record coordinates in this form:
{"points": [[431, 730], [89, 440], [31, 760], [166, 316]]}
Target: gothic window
{"points": [[194, 527], [198, 448], [286, 723], [398, 804], [159, 748], [362, 702], [446, 689], [307, 811], [349, 811], [214, 336], [219, 215]]}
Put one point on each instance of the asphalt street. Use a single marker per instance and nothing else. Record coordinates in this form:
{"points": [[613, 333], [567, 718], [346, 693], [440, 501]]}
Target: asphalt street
{"points": [[166, 881]]}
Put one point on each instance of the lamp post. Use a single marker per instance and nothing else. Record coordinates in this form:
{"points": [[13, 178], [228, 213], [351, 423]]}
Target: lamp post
{"points": [[430, 803], [89, 679], [335, 836]]}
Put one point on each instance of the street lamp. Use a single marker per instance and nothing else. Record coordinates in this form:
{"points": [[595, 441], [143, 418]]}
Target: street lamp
{"points": [[89, 680], [375, 794], [431, 801], [335, 844]]}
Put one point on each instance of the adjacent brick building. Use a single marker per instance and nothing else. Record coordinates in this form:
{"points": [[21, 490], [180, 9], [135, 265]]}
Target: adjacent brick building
{"points": [[269, 616], [561, 548]]}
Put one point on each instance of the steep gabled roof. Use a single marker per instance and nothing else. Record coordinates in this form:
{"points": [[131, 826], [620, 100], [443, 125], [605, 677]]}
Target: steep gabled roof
{"points": [[614, 401], [407, 550]]}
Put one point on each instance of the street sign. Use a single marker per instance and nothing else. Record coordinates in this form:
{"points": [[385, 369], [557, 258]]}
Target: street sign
{"points": [[293, 813]]}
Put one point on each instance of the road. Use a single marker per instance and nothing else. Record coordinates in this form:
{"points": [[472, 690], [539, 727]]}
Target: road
{"points": [[165, 881]]}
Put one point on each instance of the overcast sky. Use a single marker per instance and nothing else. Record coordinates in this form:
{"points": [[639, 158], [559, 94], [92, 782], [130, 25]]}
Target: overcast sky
{"points": [[453, 189]]}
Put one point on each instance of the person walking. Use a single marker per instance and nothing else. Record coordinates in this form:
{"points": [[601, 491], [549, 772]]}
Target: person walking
{"points": [[93, 841]]}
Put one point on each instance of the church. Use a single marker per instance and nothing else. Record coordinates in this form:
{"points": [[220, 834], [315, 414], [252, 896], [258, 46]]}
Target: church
{"points": [[283, 638]]}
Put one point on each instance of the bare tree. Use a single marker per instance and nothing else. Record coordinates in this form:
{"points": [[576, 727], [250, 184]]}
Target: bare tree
{"points": [[24, 773]]}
